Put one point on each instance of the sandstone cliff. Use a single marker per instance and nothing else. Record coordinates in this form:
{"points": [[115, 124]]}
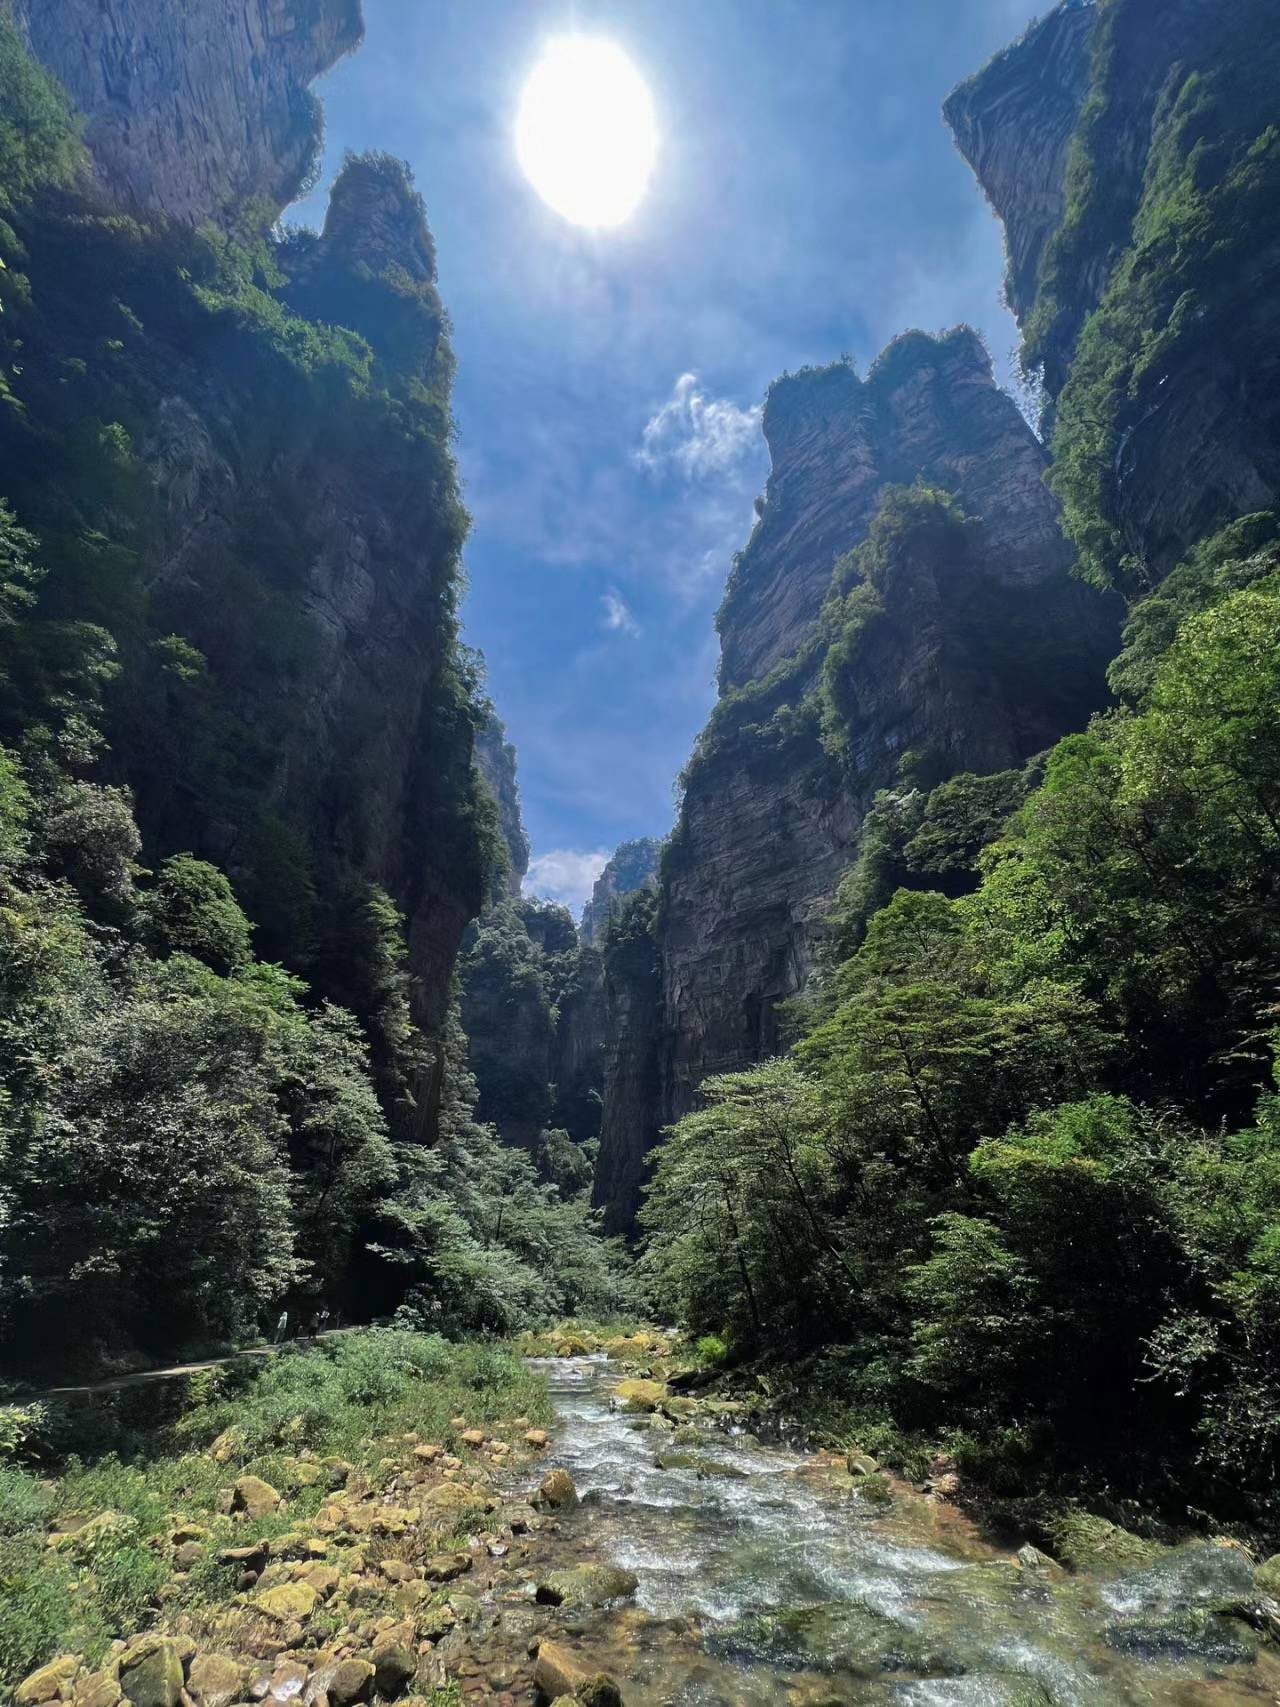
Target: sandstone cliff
{"points": [[1129, 149], [634, 865], [983, 652], [200, 108], [496, 762], [238, 467], [928, 409]]}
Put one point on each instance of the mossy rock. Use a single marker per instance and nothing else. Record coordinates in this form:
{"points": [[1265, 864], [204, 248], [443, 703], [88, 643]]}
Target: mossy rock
{"points": [[875, 1488], [151, 1674], [1189, 1633], [1089, 1543], [1267, 1576], [287, 1602], [842, 1637], [637, 1395], [1197, 1575], [587, 1585], [700, 1464]]}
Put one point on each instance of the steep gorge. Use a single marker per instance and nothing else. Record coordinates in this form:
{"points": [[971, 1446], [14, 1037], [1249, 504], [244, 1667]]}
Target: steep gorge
{"points": [[979, 658]]}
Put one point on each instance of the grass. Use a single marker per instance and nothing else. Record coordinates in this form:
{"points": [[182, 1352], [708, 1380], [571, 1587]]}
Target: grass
{"points": [[351, 1398]]}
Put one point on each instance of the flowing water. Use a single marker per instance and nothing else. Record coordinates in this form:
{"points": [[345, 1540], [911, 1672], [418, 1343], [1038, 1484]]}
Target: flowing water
{"points": [[762, 1580]]}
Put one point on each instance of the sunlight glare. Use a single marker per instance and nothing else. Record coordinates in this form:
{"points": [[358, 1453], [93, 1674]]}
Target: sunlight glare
{"points": [[586, 133]]}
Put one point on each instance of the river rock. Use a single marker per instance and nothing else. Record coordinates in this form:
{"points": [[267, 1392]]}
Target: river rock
{"points": [[288, 1602], [537, 1438], [586, 1585], [394, 1664], [348, 1682], [48, 1682], [151, 1673], [215, 1680], [557, 1490], [842, 1637], [560, 1672], [1185, 1634], [254, 1497], [641, 1395]]}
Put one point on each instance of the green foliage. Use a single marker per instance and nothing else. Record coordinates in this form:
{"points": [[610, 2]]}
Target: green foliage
{"points": [[1020, 1176], [193, 910], [39, 129], [345, 1399]]}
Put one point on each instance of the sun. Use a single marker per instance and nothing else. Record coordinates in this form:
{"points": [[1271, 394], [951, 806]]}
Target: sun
{"points": [[586, 134]]}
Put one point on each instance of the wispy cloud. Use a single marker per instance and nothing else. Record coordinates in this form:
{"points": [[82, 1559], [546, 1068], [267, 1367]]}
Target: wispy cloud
{"points": [[565, 875], [698, 435], [617, 615]]}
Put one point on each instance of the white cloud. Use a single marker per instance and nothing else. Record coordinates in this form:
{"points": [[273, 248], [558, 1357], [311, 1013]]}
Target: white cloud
{"points": [[566, 876], [696, 434], [617, 614]]}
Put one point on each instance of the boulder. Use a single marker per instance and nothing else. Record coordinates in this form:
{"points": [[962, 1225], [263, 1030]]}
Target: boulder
{"points": [[472, 1437], [427, 1453], [444, 1567], [453, 1497], [151, 1673], [557, 1491], [586, 1585], [394, 1665], [288, 1603], [1198, 1574], [47, 1683], [859, 1463], [1190, 1633], [215, 1680], [187, 1556], [637, 1395], [538, 1438], [254, 1497], [98, 1689], [559, 1672], [349, 1681], [1267, 1576]]}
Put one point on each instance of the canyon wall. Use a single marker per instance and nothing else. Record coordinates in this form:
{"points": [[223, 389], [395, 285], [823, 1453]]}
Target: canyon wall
{"points": [[979, 658], [1129, 149], [196, 110], [237, 464]]}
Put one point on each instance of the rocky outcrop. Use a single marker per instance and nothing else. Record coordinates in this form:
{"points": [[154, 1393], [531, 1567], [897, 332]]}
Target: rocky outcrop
{"points": [[274, 539], [496, 762], [1014, 123], [634, 865], [632, 1068], [201, 109], [1165, 112], [929, 409], [982, 654]]}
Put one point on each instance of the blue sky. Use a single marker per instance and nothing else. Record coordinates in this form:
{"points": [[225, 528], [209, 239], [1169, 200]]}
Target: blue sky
{"points": [[807, 202]]}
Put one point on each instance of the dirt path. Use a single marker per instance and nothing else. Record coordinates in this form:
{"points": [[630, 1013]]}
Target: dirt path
{"points": [[141, 1377]]}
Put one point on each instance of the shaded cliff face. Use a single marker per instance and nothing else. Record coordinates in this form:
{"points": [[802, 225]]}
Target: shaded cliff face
{"points": [[238, 468], [632, 1063], [634, 865], [496, 762], [930, 410], [195, 109], [979, 649], [1144, 262], [1014, 123]]}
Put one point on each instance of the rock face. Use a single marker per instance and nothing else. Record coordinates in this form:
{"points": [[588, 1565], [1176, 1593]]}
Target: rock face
{"points": [[283, 506], [496, 762], [928, 409], [769, 821], [196, 110], [634, 865], [1014, 123], [1138, 95]]}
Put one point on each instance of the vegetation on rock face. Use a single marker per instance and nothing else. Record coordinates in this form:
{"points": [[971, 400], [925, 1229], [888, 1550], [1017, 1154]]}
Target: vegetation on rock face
{"points": [[190, 1134], [1023, 1163], [1178, 246]]}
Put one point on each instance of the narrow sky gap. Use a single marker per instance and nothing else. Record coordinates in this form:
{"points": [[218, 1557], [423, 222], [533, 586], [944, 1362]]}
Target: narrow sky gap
{"points": [[609, 382]]}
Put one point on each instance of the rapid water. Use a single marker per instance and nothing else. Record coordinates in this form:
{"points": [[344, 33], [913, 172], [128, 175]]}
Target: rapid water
{"points": [[762, 1580]]}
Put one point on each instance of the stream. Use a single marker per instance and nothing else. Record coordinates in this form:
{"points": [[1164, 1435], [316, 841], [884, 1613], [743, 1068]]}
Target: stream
{"points": [[763, 1580]]}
